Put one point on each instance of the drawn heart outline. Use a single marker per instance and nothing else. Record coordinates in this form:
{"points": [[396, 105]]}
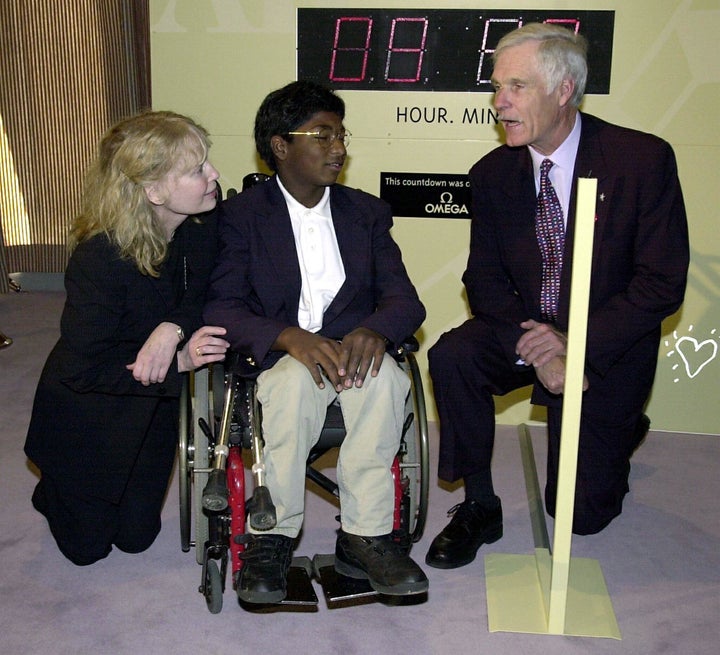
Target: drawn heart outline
{"points": [[697, 346]]}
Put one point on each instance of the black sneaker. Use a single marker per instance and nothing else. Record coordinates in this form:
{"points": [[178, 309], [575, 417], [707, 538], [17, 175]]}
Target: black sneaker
{"points": [[266, 561], [381, 561], [472, 525]]}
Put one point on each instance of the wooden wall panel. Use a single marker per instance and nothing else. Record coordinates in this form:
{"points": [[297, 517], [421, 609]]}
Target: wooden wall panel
{"points": [[68, 70]]}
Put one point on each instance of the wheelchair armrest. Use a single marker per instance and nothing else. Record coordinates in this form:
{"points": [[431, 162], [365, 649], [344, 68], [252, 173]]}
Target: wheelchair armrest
{"points": [[400, 350]]}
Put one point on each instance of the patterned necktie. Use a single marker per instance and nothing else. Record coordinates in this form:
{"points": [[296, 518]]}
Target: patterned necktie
{"points": [[550, 230]]}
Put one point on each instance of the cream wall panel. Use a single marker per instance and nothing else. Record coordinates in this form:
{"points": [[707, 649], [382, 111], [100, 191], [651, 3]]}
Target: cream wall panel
{"points": [[216, 60]]}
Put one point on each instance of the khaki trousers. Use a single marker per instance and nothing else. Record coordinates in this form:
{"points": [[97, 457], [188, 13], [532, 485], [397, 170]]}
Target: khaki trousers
{"points": [[294, 409]]}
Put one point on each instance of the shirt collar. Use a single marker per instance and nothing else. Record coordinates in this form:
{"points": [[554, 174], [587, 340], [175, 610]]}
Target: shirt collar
{"points": [[564, 156], [295, 207]]}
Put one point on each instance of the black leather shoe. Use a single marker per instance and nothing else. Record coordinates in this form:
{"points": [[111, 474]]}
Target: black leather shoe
{"points": [[266, 561], [472, 525], [381, 561]]}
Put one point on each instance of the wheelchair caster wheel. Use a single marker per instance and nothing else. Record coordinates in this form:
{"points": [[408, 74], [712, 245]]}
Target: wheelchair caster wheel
{"points": [[213, 587]]}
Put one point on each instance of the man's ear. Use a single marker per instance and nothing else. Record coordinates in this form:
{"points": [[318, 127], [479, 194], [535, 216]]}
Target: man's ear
{"points": [[567, 88], [278, 145]]}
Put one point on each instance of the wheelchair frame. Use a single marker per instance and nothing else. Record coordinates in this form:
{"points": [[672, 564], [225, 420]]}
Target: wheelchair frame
{"points": [[213, 431]]}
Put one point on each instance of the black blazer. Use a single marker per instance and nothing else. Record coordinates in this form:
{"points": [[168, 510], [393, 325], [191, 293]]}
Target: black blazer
{"points": [[90, 415], [640, 249], [255, 288]]}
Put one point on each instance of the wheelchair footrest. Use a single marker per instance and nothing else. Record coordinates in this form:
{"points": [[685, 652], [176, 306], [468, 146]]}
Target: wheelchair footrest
{"points": [[338, 588], [299, 587]]}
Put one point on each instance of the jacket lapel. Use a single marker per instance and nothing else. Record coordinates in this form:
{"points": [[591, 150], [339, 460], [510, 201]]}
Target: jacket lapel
{"points": [[589, 163], [275, 230], [353, 241], [520, 203]]}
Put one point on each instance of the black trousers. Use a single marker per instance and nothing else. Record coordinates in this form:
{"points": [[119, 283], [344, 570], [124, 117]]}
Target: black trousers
{"points": [[468, 367], [86, 527]]}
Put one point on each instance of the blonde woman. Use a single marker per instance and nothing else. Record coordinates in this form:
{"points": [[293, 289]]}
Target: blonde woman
{"points": [[103, 431]]}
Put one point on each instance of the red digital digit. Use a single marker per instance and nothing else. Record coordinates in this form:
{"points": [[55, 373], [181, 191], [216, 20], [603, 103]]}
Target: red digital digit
{"points": [[571, 23], [355, 48], [404, 62], [491, 37]]}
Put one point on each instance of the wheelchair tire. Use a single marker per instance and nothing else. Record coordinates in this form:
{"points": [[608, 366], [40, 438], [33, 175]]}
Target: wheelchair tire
{"points": [[213, 587], [416, 463], [201, 456], [184, 470]]}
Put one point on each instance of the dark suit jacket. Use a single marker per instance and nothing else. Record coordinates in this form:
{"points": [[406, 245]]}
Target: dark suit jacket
{"points": [[90, 415], [255, 288], [640, 251]]}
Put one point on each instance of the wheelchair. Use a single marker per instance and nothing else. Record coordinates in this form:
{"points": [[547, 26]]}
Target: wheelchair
{"points": [[220, 438]]}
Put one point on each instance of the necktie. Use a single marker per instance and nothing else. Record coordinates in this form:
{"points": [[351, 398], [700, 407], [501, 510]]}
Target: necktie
{"points": [[550, 230]]}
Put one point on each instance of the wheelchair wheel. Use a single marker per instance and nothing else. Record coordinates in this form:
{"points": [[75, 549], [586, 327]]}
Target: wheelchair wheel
{"points": [[184, 468], [213, 587], [201, 455], [415, 463]]}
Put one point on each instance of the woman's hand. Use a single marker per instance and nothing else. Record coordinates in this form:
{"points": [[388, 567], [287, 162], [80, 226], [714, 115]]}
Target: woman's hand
{"points": [[157, 353], [205, 346]]}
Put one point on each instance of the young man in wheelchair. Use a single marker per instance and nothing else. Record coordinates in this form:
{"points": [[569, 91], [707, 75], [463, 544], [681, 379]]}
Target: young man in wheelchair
{"points": [[311, 288]]}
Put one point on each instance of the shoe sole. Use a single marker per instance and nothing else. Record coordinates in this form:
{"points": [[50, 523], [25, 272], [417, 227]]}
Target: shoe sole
{"points": [[405, 589], [442, 564]]}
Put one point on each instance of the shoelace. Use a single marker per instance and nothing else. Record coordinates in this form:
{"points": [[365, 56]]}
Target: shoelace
{"points": [[262, 549], [383, 546], [454, 509], [462, 512]]}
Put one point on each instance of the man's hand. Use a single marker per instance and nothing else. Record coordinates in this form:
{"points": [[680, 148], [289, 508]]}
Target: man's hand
{"points": [[319, 354], [552, 375], [545, 348], [361, 349], [540, 344]]}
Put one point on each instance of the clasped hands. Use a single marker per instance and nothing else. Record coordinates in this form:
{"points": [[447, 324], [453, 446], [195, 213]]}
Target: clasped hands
{"points": [[342, 363], [545, 348]]}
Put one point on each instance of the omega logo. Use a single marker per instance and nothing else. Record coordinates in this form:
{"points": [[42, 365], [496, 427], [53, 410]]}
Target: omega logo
{"points": [[446, 206]]}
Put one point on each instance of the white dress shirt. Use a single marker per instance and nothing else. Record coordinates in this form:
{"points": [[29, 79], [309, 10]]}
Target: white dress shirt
{"points": [[321, 266]]}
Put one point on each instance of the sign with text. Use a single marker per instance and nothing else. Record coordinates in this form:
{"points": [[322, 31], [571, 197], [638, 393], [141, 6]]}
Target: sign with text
{"points": [[427, 195]]}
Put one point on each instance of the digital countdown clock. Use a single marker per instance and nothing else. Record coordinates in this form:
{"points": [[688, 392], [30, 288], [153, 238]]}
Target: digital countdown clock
{"points": [[431, 49]]}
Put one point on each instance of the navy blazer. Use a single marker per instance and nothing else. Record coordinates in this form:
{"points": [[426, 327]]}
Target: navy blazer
{"points": [[640, 249], [255, 289]]}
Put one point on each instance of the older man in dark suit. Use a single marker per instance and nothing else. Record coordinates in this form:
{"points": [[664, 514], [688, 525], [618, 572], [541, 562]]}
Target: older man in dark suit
{"points": [[518, 279], [311, 286]]}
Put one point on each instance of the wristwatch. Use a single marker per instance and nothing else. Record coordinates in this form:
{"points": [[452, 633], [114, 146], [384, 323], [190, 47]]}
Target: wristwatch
{"points": [[180, 333]]}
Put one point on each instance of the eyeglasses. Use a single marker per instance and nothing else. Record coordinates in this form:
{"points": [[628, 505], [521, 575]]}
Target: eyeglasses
{"points": [[325, 137]]}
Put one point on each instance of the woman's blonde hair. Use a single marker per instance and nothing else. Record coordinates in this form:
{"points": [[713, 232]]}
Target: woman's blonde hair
{"points": [[133, 154]]}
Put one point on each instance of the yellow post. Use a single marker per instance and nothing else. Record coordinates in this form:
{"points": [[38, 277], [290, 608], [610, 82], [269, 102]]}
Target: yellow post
{"points": [[572, 403], [552, 593]]}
